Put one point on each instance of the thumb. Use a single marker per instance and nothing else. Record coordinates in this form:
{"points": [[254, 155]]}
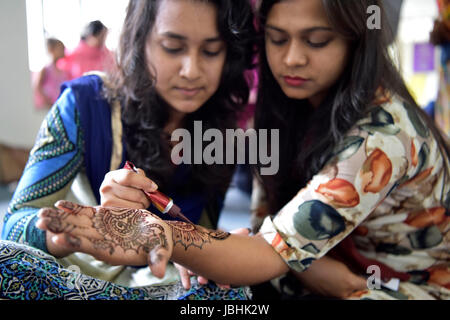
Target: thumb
{"points": [[141, 172], [359, 283], [158, 258]]}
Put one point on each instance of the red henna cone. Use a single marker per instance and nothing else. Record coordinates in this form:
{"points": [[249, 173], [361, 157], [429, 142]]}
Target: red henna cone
{"points": [[162, 202]]}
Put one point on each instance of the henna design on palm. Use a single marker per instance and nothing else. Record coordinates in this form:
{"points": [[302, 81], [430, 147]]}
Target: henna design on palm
{"points": [[129, 229], [107, 229], [123, 236], [189, 235]]}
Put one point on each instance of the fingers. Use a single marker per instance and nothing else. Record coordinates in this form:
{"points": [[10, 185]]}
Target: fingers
{"points": [[202, 280], [185, 276], [141, 172], [75, 209], [83, 244], [116, 195], [55, 220], [158, 258], [132, 179], [359, 283], [64, 217], [59, 221]]}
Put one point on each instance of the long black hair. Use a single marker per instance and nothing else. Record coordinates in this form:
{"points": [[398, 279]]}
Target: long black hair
{"points": [[145, 113], [307, 135]]}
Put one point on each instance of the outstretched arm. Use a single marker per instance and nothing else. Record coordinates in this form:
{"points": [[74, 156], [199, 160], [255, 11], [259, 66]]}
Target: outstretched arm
{"points": [[137, 237], [224, 257]]}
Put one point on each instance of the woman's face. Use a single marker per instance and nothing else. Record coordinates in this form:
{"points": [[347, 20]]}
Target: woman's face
{"points": [[305, 55], [186, 54]]}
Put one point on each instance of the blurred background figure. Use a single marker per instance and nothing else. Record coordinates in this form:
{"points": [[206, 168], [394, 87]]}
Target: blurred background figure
{"points": [[47, 85], [91, 53], [440, 36]]}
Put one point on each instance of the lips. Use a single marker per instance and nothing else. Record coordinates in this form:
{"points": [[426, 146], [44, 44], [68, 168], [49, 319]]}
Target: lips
{"points": [[294, 81], [189, 92]]}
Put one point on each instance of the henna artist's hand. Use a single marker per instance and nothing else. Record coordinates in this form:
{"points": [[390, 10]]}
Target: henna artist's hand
{"points": [[331, 278], [123, 188], [186, 274], [113, 235]]}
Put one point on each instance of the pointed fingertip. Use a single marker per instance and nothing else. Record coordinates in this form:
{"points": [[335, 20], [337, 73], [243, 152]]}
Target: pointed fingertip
{"points": [[66, 205], [40, 224], [45, 212]]}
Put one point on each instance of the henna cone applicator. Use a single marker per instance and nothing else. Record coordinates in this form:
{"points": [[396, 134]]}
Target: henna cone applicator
{"points": [[162, 202]]}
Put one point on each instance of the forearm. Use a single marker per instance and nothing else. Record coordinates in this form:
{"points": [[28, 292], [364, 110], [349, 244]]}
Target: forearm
{"points": [[225, 258]]}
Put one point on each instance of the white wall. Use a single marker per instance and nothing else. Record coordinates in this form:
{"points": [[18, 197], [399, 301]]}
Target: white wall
{"points": [[19, 122], [416, 23]]}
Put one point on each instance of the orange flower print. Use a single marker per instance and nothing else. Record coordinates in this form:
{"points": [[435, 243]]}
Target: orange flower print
{"points": [[427, 218], [341, 192], [414, 155], [382, 96], [376, 172], [278, 244], [440, 275], [419, 178]]}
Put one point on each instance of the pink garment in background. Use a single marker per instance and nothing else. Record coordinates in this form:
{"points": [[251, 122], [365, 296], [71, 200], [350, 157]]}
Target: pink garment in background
{"points": [[52, 81], [85, 58]]}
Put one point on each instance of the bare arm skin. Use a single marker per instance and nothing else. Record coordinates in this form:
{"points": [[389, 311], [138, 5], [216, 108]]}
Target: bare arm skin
{"points": [[224, 257]]}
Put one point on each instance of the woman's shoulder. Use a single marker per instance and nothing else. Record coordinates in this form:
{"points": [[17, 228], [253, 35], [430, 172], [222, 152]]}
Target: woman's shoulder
{"points": [[87, 93], [89, 84], [394, 115]]}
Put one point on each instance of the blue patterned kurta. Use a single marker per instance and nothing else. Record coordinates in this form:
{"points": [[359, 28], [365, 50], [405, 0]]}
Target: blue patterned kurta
{"points": [[75, 137]]}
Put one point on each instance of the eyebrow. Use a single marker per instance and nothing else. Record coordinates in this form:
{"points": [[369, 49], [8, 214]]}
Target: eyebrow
{"points": [[180, 37], [308, 30]]}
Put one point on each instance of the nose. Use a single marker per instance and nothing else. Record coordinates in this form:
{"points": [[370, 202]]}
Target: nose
{"points": [[190, 68], [295, 56]]}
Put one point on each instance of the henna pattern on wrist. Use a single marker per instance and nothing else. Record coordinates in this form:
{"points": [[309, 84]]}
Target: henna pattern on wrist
{"points": [[189, 235]]}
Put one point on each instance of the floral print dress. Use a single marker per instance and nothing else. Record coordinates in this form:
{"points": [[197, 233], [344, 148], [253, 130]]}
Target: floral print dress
{"points": [[387, 184]]}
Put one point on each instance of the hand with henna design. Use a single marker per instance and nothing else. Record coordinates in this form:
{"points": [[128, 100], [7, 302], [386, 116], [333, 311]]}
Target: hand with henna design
{"points": [[113, 235], [137, 237], [122, 236]]}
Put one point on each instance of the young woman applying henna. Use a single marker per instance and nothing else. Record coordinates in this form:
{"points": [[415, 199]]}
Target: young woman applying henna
{"points": [[178, 61], [360, 161]]}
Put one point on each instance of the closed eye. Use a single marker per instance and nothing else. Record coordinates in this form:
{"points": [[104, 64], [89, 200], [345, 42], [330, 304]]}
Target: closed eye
{"points": [[172, 50], [318, 44], [212, 53]]}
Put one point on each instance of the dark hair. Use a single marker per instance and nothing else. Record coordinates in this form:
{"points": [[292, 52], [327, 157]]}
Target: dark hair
{"points": [[305, 146], [144, 113], [94, 28], [53, 42]]}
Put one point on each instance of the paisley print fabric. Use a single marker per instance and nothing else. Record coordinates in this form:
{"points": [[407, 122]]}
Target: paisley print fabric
{"points": [[30, 274]]}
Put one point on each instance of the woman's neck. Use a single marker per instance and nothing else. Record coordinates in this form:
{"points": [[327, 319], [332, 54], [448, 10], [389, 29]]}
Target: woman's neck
{"points": [[175, 121], [316, 100]]}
